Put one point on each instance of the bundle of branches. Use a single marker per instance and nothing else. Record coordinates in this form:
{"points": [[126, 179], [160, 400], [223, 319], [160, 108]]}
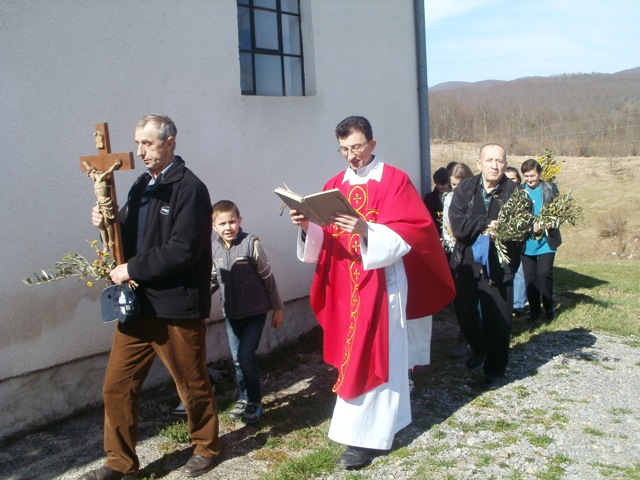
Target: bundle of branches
{"points": [[550, 166], [74, 264], [514, 223], [562, 210]]}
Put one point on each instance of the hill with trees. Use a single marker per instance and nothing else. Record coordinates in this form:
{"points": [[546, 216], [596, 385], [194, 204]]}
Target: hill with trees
{"points": [[593, 114]]}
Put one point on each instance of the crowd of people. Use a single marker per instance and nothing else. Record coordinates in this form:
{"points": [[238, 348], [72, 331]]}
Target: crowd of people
{"points": [[489, 292], [380, 275]]}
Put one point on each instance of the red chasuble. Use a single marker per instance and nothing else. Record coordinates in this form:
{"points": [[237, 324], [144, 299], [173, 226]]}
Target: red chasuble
{"points": [[351, 303]]}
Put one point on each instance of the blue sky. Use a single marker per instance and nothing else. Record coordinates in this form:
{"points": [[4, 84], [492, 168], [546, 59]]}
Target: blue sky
{"points": [[472, 40]]}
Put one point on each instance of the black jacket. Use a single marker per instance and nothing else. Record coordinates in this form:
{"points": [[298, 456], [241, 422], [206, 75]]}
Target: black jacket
{"points": [[433, 202], [469, 218], [173, 265]]}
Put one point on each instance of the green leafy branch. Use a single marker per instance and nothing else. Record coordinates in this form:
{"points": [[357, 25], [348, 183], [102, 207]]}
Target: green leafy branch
{"points": [[562, 210], [514, 223], [74, 264]]}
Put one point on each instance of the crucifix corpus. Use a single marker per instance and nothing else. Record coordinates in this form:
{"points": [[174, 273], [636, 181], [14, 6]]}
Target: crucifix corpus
{"points": [[100, 168]]}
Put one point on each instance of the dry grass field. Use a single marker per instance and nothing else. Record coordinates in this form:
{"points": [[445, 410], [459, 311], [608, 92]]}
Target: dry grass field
{"points": [[608, 189]]}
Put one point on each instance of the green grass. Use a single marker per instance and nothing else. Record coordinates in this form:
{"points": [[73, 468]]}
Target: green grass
{"points": [[598, 296], [556, 468], [593, 431], [177, 432], [315, 463], [615, 471]]}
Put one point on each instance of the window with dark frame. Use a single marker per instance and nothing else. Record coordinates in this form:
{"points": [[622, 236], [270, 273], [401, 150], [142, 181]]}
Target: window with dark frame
{"points": [[270, 44]]}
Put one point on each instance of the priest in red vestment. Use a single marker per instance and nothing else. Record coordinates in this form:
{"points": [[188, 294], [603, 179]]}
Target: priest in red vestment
{"points": [[374, 273]]}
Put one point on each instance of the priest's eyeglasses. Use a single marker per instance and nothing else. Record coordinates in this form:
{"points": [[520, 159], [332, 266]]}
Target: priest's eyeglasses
{"points": [[355, 149]]}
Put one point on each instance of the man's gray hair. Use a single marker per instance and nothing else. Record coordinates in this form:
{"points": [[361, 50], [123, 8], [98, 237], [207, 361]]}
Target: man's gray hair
{"points": [[165, 126]]}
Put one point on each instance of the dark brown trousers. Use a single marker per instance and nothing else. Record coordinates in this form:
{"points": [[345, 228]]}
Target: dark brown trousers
{"points": [[180, 345]]}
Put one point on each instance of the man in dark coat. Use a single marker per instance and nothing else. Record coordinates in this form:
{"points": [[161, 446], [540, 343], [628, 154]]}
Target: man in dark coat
{"points": [[167, 243], [484, 304]]}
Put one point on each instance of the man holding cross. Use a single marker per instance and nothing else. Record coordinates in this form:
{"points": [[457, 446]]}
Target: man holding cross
{"points": [[166, 228]]}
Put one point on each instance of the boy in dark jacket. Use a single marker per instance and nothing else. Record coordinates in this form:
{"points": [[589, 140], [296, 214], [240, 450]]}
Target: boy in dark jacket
{"points": [[247, 292]]}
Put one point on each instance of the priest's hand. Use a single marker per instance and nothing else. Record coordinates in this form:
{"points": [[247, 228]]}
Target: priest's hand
{"points": [[351, 224], [120, 274], [298, 219]]}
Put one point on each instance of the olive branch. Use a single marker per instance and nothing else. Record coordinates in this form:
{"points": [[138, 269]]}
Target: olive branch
{"points": [[562, 210], [514, 223], [74, 264]]}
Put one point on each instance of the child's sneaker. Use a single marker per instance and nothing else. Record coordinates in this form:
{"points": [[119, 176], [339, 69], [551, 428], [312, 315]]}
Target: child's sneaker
{"points": [[252, 413], [238, 409]]}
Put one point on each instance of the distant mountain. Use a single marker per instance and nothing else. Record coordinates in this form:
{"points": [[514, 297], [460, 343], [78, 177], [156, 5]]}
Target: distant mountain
{"points": [[632, 72], [451, 85], [573, 114]]}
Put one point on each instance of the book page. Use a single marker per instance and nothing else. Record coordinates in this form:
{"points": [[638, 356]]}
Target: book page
{"points": [[317, 207]]}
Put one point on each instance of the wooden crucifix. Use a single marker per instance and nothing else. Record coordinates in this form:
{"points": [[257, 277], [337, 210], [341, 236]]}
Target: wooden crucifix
{"points": [[100, 169]]}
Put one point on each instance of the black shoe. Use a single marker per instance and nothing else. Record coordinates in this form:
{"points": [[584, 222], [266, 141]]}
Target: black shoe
{"points": [[106, 473], [198, 465], [551, 313], [518, 312], [533, 316], [475, 361], [356, 457], [492, 383]]}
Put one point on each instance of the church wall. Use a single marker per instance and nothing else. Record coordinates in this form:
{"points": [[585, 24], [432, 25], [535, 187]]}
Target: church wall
{"points": [[68, 65]]}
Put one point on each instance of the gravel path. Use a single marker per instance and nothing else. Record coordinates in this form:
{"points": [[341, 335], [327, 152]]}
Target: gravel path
{"points": [[570, 410]]}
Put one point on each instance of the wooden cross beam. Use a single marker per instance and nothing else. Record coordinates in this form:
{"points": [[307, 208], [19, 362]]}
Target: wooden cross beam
{"points": [[100, 169]]}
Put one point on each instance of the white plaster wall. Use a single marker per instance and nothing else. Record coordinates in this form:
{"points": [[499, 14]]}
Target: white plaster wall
{"points": [[69, 64]]}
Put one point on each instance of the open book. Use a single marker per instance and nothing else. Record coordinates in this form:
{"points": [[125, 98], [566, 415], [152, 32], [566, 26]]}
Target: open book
{"points": [[317, 207]]}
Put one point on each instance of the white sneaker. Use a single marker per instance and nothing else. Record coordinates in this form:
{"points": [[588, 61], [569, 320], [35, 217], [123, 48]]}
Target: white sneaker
{"points": [[238, 409]]}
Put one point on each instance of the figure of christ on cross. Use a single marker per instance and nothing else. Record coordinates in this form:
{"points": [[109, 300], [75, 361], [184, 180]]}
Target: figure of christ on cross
{"points": [[105, 203]]}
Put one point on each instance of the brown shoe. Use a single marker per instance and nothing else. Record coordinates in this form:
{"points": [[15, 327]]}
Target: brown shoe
{"points": [[106, 473], [198, 465]]}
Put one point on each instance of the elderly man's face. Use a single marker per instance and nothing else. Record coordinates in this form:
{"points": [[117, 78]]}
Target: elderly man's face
{"points": [[155, 153], [492, 164]]}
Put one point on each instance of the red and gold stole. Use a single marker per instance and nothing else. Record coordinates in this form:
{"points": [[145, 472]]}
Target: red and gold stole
{"points": [[351, 303]]}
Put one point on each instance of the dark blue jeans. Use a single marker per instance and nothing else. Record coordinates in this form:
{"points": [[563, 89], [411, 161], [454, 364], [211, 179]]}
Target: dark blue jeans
{"points": [[244, 339]]}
